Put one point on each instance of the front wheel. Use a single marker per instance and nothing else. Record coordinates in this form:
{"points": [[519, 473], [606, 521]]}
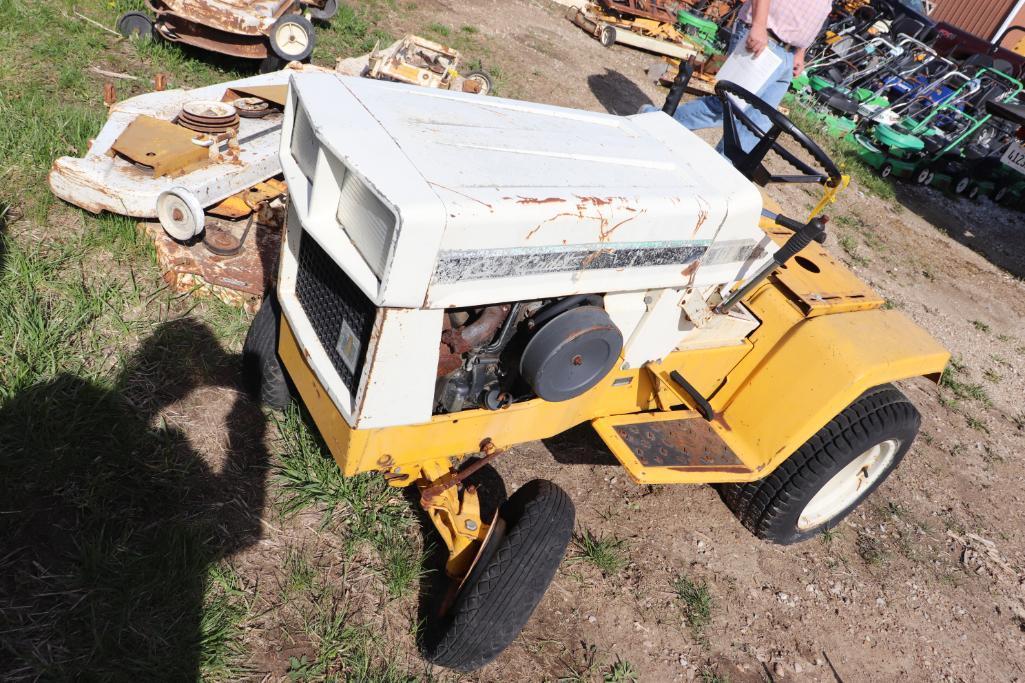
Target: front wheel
{"points": [[829, 476], [508, 580], [262, 370]]}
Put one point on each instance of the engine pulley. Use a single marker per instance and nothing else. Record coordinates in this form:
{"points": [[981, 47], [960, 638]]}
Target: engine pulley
{"points": [[571, 353]]}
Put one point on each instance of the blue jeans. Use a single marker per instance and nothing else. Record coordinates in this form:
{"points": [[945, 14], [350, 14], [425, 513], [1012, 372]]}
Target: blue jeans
{"points": [[706, 112]]}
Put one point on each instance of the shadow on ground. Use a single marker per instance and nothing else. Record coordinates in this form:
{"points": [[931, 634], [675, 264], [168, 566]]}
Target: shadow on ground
{"points": [[580, 445], [997, 233], [110, 519], [617, 93]]}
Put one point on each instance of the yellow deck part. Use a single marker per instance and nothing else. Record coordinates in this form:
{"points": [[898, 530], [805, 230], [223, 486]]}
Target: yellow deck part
{"points": [[245, 202], [275, 94], [164, 146]]}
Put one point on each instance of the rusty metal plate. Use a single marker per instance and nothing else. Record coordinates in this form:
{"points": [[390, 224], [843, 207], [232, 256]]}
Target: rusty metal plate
{"points": [[275, 94], [820, 283], [687, 443], [161, 145], [238, 280]]}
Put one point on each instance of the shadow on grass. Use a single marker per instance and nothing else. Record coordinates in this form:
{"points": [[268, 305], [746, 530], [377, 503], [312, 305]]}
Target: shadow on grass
{"points": [[617, 93], [110, 520]]}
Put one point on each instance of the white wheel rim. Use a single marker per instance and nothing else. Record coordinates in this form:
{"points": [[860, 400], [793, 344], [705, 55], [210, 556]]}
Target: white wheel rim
{"points": [[962, 185], [999, 197], [887, 171], [848, 485], [292, 39]]}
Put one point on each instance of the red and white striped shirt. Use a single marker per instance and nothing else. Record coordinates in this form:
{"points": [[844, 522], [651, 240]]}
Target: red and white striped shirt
{"points": [[796, 22]]}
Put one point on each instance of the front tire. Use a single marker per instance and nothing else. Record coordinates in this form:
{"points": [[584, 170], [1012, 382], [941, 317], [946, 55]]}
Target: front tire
{"points": [[508, 580], [829, 476], [262, 371]]}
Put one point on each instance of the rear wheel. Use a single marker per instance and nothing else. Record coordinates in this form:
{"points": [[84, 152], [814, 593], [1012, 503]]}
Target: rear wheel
{"points": [[326, 12], [608, 36], [827, 477], [508, 580], [886, 171], [262, 371], [961, 184], [482, 79]]}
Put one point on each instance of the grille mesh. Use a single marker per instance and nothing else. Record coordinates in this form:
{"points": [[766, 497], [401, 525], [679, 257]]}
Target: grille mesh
{"points": [[329, 299]]}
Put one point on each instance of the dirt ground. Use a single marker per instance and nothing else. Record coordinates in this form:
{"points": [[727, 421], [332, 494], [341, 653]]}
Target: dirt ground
{"points": [[925, 582]]}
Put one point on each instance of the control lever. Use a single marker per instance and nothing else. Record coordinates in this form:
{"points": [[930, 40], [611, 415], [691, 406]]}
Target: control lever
{"points": [[678, 87], [804, 234]]}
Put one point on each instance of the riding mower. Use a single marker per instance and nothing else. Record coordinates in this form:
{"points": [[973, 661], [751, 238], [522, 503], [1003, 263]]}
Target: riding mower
{"points": [[993, 164], [273, 31], [460, 275]]}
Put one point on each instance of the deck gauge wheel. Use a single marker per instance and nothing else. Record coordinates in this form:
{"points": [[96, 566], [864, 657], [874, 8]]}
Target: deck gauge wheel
{"points": [[180, 214], [886, 171], [135, 25], [962, 184], [292, 38], [608, 36], [752, 163]]}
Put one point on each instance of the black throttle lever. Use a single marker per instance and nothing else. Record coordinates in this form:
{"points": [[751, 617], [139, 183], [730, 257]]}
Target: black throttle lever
{"points": [[804, 234]]}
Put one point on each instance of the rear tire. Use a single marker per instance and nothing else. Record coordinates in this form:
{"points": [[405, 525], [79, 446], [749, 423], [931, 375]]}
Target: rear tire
{"points": [[608, 36], [483, 79], [779, 507], [886, 171], [501, 592], [262, 371]]}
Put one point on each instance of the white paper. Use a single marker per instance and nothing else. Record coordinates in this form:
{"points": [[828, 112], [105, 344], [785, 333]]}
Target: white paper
{"points": [[750, 72]]}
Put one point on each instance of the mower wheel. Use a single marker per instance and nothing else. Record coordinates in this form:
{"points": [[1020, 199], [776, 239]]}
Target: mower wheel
{"points": [[1000, 195], [483, 79], [827, 477], [292, 38], [507, 581], [325, 13], [886, 171], [923, 175], [135, 25], [271, 63], [262, 371], [973, 193], [961, 184], [608, 36]]}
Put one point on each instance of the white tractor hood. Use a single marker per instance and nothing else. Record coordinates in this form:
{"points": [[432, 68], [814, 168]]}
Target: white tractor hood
{"points": [[434, 199]]}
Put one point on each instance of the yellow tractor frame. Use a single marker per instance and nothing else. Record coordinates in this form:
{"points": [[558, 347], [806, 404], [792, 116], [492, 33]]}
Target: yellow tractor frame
{"points": [[825, 338]]}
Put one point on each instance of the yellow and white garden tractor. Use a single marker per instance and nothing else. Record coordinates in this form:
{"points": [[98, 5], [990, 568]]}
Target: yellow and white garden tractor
{"points": [[461, 274]]}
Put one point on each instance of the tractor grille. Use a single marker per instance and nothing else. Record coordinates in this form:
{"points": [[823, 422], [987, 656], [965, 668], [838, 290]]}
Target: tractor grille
{"points": [[340, 313]]}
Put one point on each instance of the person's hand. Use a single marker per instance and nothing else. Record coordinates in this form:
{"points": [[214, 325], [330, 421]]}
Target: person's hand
{"points": [[798, 64], [758, 39]]}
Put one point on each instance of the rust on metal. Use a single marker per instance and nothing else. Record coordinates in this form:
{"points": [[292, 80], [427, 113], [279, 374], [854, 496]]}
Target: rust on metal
{"points": [[488, 453], [238, 280], [274, 94], [160, 82], [686, 444], [455, 341], [244, 203], [233, 28], [164, 147], [109, 93]]}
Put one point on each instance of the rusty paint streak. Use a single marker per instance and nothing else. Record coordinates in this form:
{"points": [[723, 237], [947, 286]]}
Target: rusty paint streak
{"points": [[703, 209], [549, 220], [691, 272], [604, 235], [537, 200]]}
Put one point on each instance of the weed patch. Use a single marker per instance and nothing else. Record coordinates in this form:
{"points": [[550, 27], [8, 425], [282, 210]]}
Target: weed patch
{"points": [[607, 554]]}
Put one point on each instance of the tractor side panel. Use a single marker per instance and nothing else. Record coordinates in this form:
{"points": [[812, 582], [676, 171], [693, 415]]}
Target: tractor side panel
{"points": [[812, 373]]}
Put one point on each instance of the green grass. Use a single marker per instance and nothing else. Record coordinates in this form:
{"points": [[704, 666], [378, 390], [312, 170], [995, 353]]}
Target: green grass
{"points": [[981, 326], [709, 675], [608, 554], [843, 152], [121, 521], [696, 600], [620, 671]]}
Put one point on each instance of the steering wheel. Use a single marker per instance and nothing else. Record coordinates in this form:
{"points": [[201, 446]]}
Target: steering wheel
{"points": [[751, 164]]}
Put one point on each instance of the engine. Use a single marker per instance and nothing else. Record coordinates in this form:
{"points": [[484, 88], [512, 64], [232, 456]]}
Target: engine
{"points": [[492, 356]]}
